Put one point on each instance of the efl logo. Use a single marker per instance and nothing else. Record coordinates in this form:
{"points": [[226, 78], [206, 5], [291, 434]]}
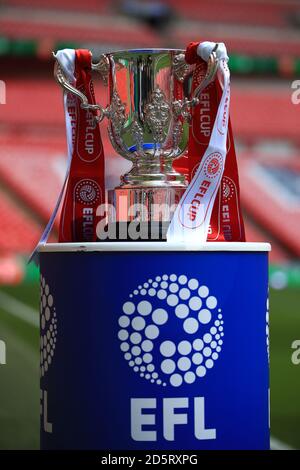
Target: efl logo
{"points": [[149, 325], [87, 192], [174, 412], [213, 165], [47, 345], [228, 189]]}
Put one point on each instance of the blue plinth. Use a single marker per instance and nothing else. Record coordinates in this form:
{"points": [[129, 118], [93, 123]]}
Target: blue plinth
{"points": [[149, 346]]}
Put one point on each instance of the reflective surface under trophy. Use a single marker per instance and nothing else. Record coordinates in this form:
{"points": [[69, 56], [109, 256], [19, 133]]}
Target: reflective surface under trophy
{"points": [[148, 116]]}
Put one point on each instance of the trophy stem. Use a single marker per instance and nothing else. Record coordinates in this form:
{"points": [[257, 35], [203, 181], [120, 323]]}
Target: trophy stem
{"points": [[152, 173]]}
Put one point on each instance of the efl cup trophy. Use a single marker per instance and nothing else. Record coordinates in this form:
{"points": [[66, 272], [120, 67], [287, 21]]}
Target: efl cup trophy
{"points": [[149, 111]]}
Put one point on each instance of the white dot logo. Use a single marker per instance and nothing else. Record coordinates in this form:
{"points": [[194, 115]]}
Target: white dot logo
{"points": [[87, 191], [48, 327], [267, 329], [228, 189], [159, 307]]}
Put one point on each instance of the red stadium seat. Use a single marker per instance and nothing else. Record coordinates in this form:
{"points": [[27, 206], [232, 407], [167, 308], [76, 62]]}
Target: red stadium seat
{"points": [[19, 233], [243, 12], [97, 6]]}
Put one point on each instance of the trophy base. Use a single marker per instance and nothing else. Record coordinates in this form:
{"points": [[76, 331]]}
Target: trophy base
{"points": [[142, 213]]}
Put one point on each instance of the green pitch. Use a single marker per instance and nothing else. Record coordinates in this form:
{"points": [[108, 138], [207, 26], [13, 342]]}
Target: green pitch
{"points": [[19, 378]]}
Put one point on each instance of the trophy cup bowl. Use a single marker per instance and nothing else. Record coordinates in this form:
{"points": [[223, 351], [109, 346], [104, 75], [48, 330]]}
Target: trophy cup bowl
{"points": [[148, 116]]}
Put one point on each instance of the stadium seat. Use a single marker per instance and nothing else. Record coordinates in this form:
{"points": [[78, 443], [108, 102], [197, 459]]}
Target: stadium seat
{"points": [[19, 232]]}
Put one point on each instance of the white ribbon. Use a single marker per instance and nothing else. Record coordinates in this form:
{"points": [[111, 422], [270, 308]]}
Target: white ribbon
{"points": [[66, 59], [191, 219]]}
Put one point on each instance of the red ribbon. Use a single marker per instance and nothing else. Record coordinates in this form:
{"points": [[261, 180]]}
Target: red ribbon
{"points": [[86, 187], [226, 222]]}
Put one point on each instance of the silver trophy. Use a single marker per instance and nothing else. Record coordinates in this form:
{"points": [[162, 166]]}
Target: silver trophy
{"points": [[149, 111]]}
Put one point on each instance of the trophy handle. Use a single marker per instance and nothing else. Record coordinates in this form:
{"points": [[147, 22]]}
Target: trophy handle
{"points": [[212, 68], [63, 82], [183, 108], [103, 67]]}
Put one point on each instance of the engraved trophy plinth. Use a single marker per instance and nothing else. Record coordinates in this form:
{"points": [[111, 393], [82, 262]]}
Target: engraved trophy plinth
{"points": [[148, 123]]}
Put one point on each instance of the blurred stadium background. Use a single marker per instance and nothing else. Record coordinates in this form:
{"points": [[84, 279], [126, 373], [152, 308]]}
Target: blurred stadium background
{"points": [[263, 39]]}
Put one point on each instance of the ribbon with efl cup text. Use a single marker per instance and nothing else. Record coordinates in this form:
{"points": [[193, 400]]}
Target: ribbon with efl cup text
{"points": [[210, 207], [85, 187]]}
